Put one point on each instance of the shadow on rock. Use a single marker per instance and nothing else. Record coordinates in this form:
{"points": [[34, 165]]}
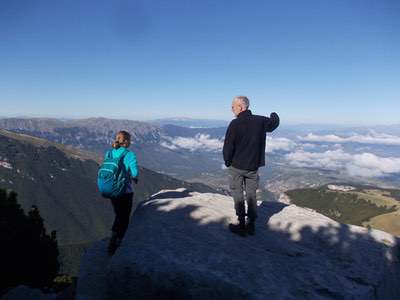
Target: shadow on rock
{"points": [[180, 247]]}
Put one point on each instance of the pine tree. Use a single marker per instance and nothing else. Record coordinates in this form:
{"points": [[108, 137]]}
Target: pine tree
{"points": [[27, 254]]}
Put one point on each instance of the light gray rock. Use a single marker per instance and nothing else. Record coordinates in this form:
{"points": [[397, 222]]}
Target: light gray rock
{"points": [[178, 247]]}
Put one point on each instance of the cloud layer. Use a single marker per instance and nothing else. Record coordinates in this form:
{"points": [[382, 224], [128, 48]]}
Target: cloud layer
{"points": [[199, 142], [279, 144], [370, 138], [364, 164], [308, 152], [205, 143]]}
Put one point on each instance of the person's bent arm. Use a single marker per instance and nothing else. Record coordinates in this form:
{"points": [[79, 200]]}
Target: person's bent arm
{"points": [[229, 146], [132, 163], [272, 122]]}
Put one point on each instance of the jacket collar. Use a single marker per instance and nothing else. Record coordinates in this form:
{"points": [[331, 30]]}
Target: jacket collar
{"points": [[120, 149], [245, 113]]}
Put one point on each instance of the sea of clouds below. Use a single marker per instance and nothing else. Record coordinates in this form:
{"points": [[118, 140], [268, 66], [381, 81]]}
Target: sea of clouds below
{"points": [[314, 151]]}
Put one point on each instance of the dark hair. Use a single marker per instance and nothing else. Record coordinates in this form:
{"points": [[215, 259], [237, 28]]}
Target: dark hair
{"points": [[124, 141]]}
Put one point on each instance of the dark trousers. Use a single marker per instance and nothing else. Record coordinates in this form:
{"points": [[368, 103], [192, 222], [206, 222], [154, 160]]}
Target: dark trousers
{"points": [[240, 181], [122, 208]]}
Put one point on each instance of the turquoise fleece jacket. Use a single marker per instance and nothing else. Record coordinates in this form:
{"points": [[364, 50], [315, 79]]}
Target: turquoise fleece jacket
{"points": [[129, 160], [130, 163]]}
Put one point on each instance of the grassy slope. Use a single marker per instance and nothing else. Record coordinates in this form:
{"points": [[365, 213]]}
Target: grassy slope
{"points": [[362, 207], [38, 142], [387, 222], [378, 197]]}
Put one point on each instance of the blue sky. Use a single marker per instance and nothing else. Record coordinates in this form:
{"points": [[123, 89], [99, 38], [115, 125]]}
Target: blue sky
{"points": [[311, 61]]}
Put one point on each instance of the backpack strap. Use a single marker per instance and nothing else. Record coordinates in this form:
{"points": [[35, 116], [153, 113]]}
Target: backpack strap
{"points": [[122, 156], [109, 154], [121, 159]]}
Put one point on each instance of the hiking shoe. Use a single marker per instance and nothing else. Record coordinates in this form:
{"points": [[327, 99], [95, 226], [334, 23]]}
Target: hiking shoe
{"points": [[239, 229], [251, 228]]}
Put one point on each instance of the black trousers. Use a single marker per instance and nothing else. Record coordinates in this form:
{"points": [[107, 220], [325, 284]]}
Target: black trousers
{"points": [[122, 208]]}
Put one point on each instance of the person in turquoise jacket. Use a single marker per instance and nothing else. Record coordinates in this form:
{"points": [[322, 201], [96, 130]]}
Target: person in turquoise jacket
{"points": [[123, 205]]}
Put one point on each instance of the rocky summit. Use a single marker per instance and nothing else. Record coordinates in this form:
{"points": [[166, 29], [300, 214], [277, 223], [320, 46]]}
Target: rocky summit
{"points": [[178, 247]]}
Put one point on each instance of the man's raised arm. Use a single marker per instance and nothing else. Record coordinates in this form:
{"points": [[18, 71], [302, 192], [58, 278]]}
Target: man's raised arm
{"points": [[272, 122]]}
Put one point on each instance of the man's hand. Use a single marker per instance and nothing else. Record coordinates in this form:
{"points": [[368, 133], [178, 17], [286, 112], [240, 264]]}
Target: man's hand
{"points": [[135, 180], [272, 122]]}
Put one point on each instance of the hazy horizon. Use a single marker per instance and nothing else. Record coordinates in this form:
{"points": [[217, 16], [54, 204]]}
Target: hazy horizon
{"points": [[183, 118]]}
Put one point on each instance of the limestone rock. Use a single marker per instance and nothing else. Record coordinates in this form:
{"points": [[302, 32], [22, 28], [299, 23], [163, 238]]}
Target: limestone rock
{"points": [[178, 247]]}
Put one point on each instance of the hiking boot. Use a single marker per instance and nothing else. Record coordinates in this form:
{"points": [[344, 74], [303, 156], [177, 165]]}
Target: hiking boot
{"points": [[251, 227], [239, 228], [113, 244]]}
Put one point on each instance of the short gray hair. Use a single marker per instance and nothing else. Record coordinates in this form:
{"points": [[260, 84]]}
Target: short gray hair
{"points": [[243, 100]]}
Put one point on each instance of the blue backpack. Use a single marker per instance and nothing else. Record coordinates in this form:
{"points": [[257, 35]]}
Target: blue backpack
{"points": [[112, 177]]}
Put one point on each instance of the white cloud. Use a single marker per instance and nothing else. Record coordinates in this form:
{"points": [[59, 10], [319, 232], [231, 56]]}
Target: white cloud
{"points": [[5, 164], [365, 164], [169, 146], [199, 142], [370, 138], [308, 146], [375, 166], [279, 144], [205, 143], [329, 160]]}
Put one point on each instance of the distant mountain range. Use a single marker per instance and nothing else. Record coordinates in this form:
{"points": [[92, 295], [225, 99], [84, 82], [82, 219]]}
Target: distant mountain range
{"points": [[191, 123], [148, 141], [175, 131], [83, 133]]}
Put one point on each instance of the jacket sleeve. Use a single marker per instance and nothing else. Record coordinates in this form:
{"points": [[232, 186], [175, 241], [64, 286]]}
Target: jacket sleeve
{"points": [[229, 145], [272, 122], [132, 163]]}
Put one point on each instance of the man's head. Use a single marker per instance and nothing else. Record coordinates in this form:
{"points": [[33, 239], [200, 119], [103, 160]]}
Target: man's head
{"points": [[239, 104]]}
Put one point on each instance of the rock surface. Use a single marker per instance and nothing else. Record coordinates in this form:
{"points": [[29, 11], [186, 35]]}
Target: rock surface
{"points": [[178, 247], [23, 292], [26, 293]]}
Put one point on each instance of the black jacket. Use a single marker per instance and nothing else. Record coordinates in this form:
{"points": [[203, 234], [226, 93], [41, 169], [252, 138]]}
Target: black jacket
{"points": [[244, 146]]}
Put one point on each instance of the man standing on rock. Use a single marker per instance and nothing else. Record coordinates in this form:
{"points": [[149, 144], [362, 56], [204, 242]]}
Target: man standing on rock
{"points": [[244, 153]]}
